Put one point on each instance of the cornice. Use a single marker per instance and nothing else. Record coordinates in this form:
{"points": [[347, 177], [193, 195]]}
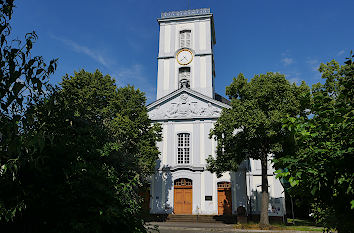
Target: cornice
{"points": [[163, 20], [182, 167], [189, 91]]}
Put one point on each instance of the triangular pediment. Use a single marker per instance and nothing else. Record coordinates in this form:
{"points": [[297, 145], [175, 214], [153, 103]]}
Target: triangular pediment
{"points": [[185, 104]]}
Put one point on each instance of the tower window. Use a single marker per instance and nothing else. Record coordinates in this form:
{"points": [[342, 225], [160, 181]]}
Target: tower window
{"points": [[184, 75], [185, 39], [183, 148]]}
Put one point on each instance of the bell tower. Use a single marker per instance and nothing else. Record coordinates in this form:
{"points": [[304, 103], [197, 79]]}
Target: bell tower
{"points": [[185, 56]]}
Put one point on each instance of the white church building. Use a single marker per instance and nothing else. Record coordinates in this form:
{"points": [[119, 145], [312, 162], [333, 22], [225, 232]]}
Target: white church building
{"points": [[187, 107]]}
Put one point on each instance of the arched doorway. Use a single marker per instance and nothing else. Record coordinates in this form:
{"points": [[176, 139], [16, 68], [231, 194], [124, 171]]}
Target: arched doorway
{"points": [[183, 196], [224, 198]]}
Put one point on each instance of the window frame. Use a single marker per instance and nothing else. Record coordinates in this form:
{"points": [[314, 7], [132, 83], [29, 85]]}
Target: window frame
{"points": [[183, 182], [179, 77], [183, 147], [180, 38]]}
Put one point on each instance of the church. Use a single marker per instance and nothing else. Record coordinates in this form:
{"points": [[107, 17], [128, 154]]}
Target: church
{"points": [[187, 107]]}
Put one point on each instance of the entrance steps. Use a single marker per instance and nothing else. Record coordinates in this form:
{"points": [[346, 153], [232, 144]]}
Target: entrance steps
{"points": [[201, 218]]}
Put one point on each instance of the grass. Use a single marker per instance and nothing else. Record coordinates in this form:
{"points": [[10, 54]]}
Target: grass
{"points": [[301, 222], [300, 225]]}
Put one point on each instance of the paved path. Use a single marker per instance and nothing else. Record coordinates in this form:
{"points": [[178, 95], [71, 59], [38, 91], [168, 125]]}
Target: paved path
{"points": [[174, 227], [188, 227]]}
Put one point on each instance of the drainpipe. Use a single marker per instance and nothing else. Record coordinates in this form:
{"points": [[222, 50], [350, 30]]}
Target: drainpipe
{"points": [[249, 186], [197, 213]]}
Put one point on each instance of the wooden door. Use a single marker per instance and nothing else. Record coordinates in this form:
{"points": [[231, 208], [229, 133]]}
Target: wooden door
{"points": [[179, 200], [188, 200], [224, 198], [183, 196]]}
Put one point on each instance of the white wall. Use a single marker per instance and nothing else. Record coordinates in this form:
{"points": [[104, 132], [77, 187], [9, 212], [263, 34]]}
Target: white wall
{"points": [[276, 191], [201, 66], [204, 183]]}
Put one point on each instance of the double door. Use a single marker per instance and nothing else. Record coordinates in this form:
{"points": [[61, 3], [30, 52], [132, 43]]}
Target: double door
{"points": [[183, 196]]}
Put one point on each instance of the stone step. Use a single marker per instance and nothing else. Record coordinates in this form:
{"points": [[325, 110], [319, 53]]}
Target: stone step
{"points": [[201, 218]]}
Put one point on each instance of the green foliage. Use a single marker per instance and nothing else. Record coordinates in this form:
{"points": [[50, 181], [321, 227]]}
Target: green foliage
{"points": [[94, 148], [252, 128], [23, 81], [72, 159], [321, 166]]}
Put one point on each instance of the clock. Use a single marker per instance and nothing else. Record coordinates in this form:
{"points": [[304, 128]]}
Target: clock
{"points": [[184, 57]]}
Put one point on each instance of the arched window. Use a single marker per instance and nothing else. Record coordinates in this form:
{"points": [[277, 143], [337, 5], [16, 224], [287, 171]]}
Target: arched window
{"points": [[185, 39], [183, 182], [183, 148], [222, 185], [184, 75]]}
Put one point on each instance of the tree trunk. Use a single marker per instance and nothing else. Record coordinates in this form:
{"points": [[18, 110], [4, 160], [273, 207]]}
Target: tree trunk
{"points": [[264, 220]]}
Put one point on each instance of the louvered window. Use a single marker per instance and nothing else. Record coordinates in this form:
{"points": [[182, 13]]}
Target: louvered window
{"points": [[184, 75], [185, 39], [183, 148]]}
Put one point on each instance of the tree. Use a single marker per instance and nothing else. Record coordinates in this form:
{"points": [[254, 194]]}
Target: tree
{"points": [[97, 148], [118, 148], [23, 82], [321, 166], [72, 159], [252, 128]]}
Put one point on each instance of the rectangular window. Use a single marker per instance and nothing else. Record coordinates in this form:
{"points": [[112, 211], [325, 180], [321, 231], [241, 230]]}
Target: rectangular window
{"points": [[183, 148], [184, 75], [185, 39]]}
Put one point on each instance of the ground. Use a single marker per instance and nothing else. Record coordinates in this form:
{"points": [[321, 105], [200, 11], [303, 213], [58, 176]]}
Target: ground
{"points": [[174, 227]]}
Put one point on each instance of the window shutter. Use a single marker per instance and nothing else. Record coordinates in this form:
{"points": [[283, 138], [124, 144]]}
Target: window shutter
{"points": [[180, 75], [188, 39], [188, 73], [185, 39]]}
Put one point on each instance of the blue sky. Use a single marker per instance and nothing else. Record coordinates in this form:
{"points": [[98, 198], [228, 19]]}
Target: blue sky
{"points": [[120, 38]]}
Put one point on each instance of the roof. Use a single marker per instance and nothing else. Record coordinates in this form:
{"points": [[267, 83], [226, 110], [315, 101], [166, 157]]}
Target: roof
{"points": [[191, 92]]}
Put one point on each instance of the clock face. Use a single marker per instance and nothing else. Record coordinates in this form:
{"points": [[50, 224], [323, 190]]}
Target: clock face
{"points": [[184, 57]]}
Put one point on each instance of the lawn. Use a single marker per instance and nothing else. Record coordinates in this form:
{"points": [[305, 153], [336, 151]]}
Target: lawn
{"points": [[300, 225]]}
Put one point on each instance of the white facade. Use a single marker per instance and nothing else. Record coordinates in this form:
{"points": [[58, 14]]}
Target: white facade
{"points": [[186, 106], [201, 44]]}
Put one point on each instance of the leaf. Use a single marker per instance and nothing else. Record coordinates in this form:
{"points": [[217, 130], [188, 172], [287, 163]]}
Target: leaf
{"points": [[39, 71], [17, 88], [293, 181], [3, 38], [29, 44]]}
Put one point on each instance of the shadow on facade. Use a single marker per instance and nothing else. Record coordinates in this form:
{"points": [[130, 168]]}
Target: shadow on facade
{"points": [[247, 207], [276, 207], [162, 185], [240, 185]]}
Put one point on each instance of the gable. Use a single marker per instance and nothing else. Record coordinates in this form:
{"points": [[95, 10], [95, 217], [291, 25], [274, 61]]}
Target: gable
{"points": [[185, 104]]}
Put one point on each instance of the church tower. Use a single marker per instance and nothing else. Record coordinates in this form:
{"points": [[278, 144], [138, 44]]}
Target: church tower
{"points": [[187, 109], [185, 54]]}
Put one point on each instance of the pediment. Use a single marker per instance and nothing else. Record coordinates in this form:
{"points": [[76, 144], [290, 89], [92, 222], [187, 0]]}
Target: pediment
{"points": [[185, 104]]}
